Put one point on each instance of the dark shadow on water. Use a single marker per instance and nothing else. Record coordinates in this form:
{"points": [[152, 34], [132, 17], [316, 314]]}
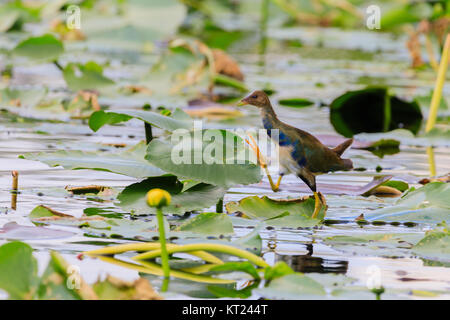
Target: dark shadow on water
{"points": [[306, 263]]}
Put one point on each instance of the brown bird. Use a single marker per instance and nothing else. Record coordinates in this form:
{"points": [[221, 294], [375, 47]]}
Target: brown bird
{"points": [[300, 152]]}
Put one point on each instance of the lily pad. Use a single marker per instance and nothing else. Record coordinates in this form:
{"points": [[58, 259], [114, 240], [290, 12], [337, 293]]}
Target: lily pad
{"points": [[129, 162], [133, 198], [295, 102], [88, 76], [430, 203], [179, 119], [208, 223], [43, 48], [435, 245], [292, 287], [210, 156], [284, 213]]}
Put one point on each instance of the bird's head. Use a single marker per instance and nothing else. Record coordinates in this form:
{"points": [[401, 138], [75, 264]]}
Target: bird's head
{"points": [[257, 98]]}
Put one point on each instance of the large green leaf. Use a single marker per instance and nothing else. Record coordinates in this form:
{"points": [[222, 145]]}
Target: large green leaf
{"points": [[87, 76], [430, 203], [374, 244], [208, 223], [41, 49], [179, 119], [130, 162], [292, 287], [18, 270], [133, 197], [206, 155], [435, 245], [283, 213]]}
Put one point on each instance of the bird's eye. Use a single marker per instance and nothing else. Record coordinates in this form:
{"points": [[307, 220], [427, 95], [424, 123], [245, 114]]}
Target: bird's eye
{"points": [[254, 97]]}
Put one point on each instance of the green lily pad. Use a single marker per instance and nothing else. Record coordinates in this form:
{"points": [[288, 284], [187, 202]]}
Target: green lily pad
{"points": [[27, 98], [178, 120], [283, 213], [292, 287], [129, 162], [295, 102], [430, 203], [435, 245], [211, 160], [208, 223], [41, 49], [88, 76], [18, 270], [374, 244], [133, 198]]}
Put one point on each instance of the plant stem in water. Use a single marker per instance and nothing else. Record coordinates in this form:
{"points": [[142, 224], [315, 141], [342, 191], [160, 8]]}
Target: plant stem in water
{"points": [[164, 254], [15, 186], [437, 93]]}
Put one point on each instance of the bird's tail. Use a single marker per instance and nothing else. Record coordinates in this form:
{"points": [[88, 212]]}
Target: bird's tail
{"points": [[339, 150]]}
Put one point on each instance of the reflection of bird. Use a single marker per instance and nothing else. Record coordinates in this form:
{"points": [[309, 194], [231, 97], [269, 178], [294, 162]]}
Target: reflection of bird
{"points": [[299, 152]]}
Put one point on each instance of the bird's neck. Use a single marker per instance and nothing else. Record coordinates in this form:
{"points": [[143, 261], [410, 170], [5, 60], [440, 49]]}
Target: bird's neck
{"points": [[269, 117]]}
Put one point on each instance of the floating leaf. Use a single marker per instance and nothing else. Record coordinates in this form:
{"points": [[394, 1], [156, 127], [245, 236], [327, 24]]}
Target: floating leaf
{"points": [[295, 102], [208, 223], [14, 231], [133, 197], [41, 49], [435, 245], [210, 156], [129, 162], [292, 287], [430, 203], [87, 76], [284, 213], [179, 119]]}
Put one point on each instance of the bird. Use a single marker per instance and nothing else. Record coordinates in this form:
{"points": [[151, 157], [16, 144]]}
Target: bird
{"points": [[300, 152]]}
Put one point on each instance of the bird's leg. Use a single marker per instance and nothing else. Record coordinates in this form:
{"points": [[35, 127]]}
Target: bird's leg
{"points": [[319, 203], [263, 164]]}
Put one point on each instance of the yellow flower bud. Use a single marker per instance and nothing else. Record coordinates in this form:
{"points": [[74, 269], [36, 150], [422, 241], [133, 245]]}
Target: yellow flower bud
{"points": [[158, 198]]}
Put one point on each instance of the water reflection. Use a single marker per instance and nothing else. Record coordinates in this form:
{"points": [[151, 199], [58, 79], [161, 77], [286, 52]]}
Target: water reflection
{"points": [[306, 263]]}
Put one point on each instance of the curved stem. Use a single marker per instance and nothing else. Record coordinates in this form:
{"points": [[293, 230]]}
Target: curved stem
{"points": [[121, 248], [207, 247], [151, 268]]}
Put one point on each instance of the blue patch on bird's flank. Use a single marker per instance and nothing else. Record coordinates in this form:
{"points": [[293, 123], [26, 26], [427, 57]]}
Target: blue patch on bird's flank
{"points": [[302, 162], [284, 140]]}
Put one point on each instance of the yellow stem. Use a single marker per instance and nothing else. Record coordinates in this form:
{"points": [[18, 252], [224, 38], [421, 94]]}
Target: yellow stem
{"points": [[431, 162], [15, 186], [207, 247], [437, 93], [151, 268], [149, 246]]}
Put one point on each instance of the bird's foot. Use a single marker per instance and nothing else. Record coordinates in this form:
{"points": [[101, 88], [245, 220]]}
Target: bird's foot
{"points": [[320, 203]]}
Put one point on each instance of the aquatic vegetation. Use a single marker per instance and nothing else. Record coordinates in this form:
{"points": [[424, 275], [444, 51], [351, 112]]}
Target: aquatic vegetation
{"points": [[144, 97]]}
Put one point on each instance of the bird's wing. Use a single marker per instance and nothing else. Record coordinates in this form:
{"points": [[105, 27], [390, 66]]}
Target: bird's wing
{"points": [[311, 153]]}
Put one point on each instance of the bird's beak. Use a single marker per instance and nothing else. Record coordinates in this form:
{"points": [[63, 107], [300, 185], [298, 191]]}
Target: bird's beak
{"points": [[241, 103]]}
